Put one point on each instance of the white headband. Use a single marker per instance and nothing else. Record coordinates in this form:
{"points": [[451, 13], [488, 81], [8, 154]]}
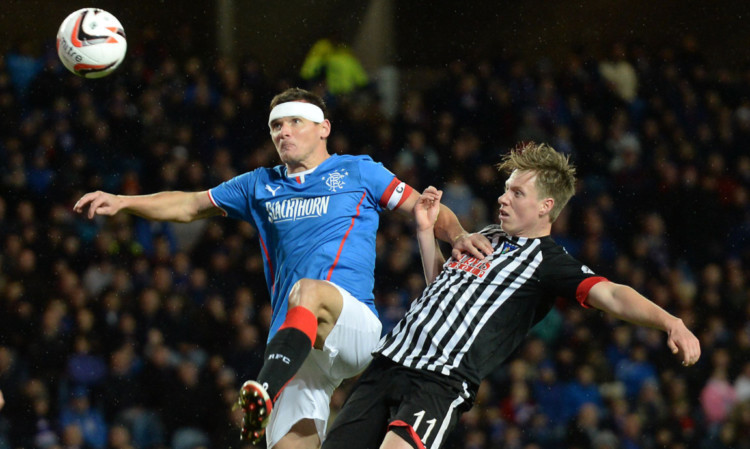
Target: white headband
{"points": [[296, 109]]}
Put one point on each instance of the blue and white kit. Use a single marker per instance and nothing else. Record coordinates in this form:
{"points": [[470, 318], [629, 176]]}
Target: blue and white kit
{"points": [[318, 224]]}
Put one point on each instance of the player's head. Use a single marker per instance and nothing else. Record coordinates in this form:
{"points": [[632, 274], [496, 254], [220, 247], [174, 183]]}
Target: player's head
{"points": [[541, 183], [296, 102], [299, 128]]}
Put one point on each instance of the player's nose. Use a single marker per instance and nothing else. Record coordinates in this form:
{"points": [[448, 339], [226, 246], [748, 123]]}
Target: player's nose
{"points": [[283, 129]]}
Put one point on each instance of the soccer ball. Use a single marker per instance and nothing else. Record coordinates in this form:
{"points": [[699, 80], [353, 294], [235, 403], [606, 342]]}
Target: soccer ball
{"points": [[91, 43]]}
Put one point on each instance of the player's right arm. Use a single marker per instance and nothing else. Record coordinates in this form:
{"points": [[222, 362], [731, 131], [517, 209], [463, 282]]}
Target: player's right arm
{"points": [[182, 207]]}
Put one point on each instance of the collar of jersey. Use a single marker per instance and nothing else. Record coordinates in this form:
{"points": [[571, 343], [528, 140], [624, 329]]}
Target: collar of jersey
{"points": [[306, 172], [519, 240], [301, 173]]}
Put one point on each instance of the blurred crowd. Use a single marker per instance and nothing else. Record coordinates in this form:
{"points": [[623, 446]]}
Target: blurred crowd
{"points": [[120, 333]]}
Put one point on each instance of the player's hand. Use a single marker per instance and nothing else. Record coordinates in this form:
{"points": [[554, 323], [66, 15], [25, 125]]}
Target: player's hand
{"points": [[683, 343], [427, 208], [474, 244], [2, 400], [98, 203]]}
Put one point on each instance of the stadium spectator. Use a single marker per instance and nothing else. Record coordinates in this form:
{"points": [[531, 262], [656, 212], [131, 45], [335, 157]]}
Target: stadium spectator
{"points": [[79, 412], [635, 371], [582, 390], [72, 437], [332, 61], [718, 395]]}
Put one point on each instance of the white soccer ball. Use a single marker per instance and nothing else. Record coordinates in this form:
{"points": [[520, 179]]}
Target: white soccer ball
{"points": [[91, 43]]}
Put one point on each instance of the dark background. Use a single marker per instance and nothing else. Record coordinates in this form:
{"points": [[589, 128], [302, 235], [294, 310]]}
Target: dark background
{"points": [[72, 135], [426, 34]]}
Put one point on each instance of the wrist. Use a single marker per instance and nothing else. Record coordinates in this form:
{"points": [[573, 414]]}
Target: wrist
{"points": [[458, 237], [424, 229], [673, 323], [121, 203]]}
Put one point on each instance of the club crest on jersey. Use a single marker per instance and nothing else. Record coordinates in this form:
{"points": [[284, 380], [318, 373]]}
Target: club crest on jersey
{"points": [[508, 247], [335, 179]]}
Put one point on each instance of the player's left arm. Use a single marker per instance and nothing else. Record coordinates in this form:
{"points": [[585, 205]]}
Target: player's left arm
{"points": [[449, 229], [625, 303]]}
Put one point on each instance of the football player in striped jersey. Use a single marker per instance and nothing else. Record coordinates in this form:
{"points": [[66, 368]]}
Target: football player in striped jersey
{"points": [[476, 311]]}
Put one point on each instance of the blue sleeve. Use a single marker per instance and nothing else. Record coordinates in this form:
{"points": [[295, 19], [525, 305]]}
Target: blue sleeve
{"points": [[379, 182], [234, 196]]}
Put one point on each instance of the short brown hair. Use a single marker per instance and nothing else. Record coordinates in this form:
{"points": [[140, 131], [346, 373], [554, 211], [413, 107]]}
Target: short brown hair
{"points": [[556, 176], [297, 94]]}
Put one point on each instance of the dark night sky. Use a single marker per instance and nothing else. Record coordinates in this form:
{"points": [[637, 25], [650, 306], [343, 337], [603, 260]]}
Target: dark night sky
{"points": [[280, 33]]}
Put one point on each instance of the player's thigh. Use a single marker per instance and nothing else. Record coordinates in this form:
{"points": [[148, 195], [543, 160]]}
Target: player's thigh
{"points": [[429, 412], [394, 441], [350, 343], [303, 434]]}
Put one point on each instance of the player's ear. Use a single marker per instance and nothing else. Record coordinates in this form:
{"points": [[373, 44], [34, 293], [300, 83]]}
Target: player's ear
{"points": [[325, 129], [546, 206]]}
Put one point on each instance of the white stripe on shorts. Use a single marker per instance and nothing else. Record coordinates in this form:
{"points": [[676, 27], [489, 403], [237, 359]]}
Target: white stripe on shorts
{"points": [[446, 422]]}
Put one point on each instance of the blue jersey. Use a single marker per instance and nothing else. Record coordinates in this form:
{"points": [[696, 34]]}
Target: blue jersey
{"points": [[320, 224]]}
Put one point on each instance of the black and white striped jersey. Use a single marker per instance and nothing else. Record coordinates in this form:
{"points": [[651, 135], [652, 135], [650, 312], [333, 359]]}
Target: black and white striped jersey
{"points": [[476, 312]]}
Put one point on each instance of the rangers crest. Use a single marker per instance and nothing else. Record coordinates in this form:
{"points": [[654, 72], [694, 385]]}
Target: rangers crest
{"points": [[335, 179]]}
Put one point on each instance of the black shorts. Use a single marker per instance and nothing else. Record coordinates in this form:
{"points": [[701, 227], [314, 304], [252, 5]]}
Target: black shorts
{"points": [[421, 407]]}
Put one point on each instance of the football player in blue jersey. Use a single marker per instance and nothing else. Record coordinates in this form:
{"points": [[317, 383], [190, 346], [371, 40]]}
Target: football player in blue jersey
{"points": [[317, 218]]}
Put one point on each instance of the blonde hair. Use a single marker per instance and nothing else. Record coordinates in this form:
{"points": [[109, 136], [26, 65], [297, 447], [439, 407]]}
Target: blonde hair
{"points": [[556, 176]]}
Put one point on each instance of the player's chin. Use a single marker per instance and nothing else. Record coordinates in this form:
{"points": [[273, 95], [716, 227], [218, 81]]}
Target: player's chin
{"points": [[505, 226]]}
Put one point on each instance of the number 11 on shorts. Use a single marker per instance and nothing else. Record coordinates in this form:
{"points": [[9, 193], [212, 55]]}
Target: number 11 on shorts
{"points": [[430, 423]]}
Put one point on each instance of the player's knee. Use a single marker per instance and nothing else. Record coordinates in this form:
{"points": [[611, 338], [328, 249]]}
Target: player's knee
{"points": [[306, 293]]}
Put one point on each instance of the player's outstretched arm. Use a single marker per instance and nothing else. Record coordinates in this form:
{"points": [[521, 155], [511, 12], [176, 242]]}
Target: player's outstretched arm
{"points": [[180, 207], [627, 304], [426, 211]]}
